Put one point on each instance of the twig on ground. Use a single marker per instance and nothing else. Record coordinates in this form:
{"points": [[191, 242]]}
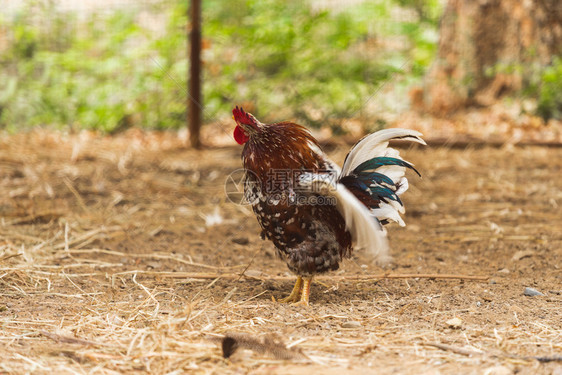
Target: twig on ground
{"points": [[41, 216], [234, 276], [469, 353], [10, 256], [260, 249], [87, 237], [67, 339], [149, 256], [453, 349], [76, 194]]}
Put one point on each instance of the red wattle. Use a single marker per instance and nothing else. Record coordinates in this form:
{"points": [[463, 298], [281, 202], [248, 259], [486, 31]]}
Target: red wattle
{"points": [[240, 135]]}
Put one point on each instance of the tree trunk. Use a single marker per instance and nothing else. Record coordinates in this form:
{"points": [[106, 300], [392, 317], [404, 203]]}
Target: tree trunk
{"points": [[488, 48]]}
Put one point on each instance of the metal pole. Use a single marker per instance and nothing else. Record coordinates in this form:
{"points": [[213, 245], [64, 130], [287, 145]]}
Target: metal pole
{"points": [[195, 102]]}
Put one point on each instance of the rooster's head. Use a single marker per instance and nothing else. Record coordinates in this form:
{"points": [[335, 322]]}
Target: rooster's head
{"points": [[246, 125]]}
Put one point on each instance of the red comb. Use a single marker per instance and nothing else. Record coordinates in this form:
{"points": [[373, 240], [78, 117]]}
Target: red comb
{"points": [[242, 117]]}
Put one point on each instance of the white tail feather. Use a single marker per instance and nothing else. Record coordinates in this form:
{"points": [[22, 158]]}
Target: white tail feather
{"points": [[365, 231], [403, 186], [387, 212], [375, 145]]}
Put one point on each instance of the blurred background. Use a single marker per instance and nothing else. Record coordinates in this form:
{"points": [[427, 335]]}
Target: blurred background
{"points": [[343, 67]]}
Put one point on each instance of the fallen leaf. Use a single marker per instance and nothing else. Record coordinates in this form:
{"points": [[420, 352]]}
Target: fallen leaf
{"points": [[351, 324], [522, 254], [532, 292], [454, 323]]}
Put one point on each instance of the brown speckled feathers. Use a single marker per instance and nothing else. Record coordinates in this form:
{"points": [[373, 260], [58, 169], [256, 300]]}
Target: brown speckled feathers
{"points": [[310, 237]]}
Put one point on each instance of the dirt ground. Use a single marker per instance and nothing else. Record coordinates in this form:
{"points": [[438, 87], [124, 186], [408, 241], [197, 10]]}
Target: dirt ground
{"points": [[122, 255]]}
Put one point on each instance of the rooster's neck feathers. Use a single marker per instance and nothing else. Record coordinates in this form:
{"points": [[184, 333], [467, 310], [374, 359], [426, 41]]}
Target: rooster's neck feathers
{"points": [[282, 146]]}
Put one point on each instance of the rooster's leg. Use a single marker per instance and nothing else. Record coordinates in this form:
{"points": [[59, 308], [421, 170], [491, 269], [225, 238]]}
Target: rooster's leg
{"points": [[295, 294], [306, 283]]}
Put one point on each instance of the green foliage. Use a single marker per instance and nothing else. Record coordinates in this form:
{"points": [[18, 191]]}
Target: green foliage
{"points": [[541, 83], [550, 91], [106, 74], [427, 10], [289, 60], [109, 72]]}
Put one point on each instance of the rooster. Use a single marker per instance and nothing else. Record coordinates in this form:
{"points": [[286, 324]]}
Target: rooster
{"points": [[314, 212]]}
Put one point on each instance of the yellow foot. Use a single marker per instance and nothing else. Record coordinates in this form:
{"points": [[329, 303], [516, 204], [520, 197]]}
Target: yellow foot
{"points": [[295, 294], [290, 299], [306, 283]]}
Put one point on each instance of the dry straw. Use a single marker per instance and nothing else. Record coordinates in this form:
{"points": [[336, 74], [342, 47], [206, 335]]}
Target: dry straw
{"points": [[106, 266]]}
